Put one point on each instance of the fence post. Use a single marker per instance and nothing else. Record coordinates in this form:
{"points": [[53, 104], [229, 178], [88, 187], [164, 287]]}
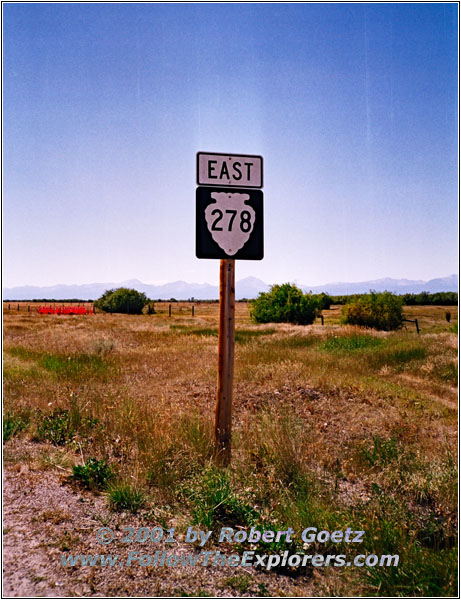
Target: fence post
{"points": [[28, 308], [417, 326], [321, 316], [169, 310], [192, 310]]}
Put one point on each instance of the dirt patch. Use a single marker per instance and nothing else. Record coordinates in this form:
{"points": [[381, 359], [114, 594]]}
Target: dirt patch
{"points": [[45, 518]]}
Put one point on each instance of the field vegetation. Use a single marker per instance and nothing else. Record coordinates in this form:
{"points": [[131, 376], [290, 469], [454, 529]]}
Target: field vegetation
{"points": [[334, 426]]}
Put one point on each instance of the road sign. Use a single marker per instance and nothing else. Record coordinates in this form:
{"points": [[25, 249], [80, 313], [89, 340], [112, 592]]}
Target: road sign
{"points": [[229, 226], [223, 170], [229, 223]]}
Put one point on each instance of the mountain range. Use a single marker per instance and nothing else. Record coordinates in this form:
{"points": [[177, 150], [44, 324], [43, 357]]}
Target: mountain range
{"points": [[244, 288]]}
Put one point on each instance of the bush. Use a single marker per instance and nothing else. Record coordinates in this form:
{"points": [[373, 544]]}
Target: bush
{"points": [[122, 300], [378, 310], [284, 303], [324, 301], [94, 474]]}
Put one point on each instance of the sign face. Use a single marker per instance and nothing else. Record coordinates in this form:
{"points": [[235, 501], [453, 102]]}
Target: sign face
{"points": [[229, 170], [229, 223]]}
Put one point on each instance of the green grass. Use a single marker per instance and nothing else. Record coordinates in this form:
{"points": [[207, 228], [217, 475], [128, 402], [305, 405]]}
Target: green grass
{"points": [[199, 331], [124, 496], [382, 453], [350, 343], [214, 502], [447, 373], [71, 366]]}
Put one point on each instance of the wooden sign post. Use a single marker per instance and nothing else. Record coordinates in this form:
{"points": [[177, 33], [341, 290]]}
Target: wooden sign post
{"points": [[223, 415], [229, 226]]}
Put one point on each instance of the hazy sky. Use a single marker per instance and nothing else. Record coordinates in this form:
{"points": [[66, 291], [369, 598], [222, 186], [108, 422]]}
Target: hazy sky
{"points": [[352, 106]]}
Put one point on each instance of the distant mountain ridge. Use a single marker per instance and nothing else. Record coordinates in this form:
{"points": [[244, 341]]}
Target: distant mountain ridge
{"points": [[248, 287]]}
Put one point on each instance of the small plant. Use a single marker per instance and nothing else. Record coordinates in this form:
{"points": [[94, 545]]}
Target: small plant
{"points": [[263, 590], [241, 583], [94, 474], [56, 427], [123, 496], [382, 453], [62, 425], [13, 424], [214, 501]]}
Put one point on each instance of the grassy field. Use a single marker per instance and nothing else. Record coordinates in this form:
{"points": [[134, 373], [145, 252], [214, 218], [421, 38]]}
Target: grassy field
{"points": [[333, 426]]}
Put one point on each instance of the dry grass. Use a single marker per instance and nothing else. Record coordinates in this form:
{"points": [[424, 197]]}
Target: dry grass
{"points": [[329, 422]]}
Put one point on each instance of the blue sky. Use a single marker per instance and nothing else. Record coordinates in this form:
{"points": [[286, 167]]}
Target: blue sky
{"points": [[352, 106]]}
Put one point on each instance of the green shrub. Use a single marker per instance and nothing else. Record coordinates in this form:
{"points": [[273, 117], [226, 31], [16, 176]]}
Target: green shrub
{"points": [[122, 300], [284, 303], [94, 474], [378, 310], [324, 301]]}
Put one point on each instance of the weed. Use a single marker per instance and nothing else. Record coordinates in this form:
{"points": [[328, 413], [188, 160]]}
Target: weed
{"points": [[382, 452], [213, 501], [56, 428], [123, 496], [263, 590], [241, 583], [63, 425], [94, 474], [447, 373], [13, 424]]}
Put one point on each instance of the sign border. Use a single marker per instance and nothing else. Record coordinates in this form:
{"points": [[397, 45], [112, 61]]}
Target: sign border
{"points": [[219, 254], [250, 187]]}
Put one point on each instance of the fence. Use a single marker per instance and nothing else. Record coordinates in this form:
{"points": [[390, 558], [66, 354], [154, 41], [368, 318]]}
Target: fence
{"points": [[50, 309]]}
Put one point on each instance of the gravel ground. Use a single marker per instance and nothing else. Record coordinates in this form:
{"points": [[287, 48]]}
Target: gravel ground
{"points": [[45, 517]]}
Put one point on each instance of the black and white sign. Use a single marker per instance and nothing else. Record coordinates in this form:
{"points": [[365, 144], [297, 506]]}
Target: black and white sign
{"points": [[229, 170], [229, 223]]}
